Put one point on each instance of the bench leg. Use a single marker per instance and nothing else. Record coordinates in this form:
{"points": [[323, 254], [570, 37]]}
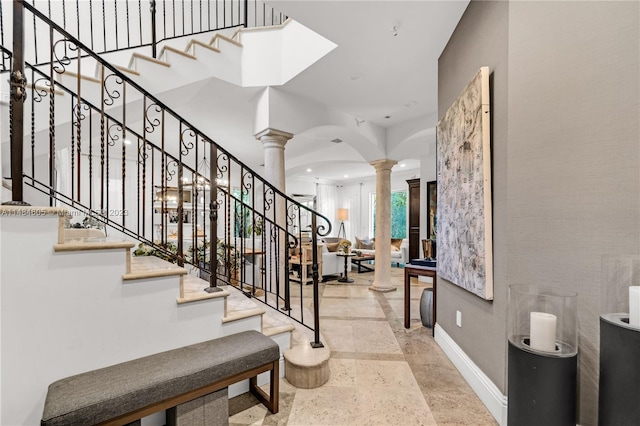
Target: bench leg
{"points": [[208, 410], [271, 401]]}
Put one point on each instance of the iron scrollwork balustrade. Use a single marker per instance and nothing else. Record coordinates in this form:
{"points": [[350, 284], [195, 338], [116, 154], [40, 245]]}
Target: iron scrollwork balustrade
{"points": [[62, 59], [111, 91]]}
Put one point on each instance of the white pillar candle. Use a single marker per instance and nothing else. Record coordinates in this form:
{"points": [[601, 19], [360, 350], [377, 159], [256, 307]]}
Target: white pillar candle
{"points": [[543, 331], [634, 306]]}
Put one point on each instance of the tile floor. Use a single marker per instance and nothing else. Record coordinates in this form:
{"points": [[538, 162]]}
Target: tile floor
{"points": [[381, 373]]}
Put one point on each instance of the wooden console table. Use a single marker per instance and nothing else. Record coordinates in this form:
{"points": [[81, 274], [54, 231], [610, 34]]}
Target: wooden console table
{"points": [[416, 271]]}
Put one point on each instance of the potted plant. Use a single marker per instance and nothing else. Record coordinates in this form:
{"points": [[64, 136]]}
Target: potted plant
{"points": [[168, 252], [229, 260]]}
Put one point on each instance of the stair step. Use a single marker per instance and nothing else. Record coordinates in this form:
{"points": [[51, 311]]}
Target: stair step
{"points": [[92, 243], [126, 70], [192, 290], [177, 51], [273, 323], [215, 41], [152, 267], [193, 43], [136, 55], [239, 306]]}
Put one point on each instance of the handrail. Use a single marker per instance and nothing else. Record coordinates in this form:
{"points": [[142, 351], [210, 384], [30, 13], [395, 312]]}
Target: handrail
{"points": [[128, 161]]}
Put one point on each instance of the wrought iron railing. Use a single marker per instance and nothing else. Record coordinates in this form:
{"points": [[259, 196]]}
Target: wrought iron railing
{"points": [[109, 149], [111, 25]]}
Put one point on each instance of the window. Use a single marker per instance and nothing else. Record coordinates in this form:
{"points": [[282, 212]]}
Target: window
{"points": [[398, 214]]}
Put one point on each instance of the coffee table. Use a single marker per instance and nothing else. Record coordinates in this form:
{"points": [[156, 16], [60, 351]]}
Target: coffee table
{"points": [[365, 258]]}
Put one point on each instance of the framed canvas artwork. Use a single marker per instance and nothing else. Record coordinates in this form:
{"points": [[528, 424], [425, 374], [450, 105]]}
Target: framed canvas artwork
{"points": [[464, 227]]}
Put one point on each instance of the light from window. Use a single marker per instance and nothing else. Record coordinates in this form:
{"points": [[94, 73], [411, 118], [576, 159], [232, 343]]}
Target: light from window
{"points": [[398, 214]]}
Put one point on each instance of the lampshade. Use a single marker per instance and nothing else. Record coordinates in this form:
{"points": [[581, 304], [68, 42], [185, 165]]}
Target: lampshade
{"points": [[343, 214]]}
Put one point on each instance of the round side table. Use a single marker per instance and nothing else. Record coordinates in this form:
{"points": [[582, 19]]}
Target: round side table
{"points": [[345, 278]]}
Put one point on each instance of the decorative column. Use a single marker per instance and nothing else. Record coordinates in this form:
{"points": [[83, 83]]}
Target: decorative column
{"points": [[382, 278], [273, 142]]}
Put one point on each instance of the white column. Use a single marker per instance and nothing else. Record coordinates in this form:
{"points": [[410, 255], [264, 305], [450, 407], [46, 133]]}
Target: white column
{"points": [[382, 278], [273, 142]]}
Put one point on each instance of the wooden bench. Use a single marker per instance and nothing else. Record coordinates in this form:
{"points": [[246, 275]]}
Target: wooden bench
{"points": [[123, 393]]}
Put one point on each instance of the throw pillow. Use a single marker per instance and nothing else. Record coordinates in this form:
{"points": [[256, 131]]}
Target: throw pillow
{"points": [[332, 247], [396, 243], [359, 242], [370, 245]]}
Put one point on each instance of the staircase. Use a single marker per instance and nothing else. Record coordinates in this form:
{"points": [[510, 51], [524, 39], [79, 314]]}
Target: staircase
{"points": [[85, 303], [110, 151]]}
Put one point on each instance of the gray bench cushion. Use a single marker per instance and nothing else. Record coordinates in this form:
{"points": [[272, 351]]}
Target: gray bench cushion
{"points": [[103, 394]]}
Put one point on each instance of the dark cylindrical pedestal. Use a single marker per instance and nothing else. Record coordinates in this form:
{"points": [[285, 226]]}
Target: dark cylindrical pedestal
{"points": [[542, 389], [619, 401]]}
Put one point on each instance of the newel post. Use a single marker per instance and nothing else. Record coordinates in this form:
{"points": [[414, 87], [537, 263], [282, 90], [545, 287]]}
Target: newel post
{"points": [[16, 114]]}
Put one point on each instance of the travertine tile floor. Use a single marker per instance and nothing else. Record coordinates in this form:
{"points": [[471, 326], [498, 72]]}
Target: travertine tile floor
{"points": [[381, 373]]}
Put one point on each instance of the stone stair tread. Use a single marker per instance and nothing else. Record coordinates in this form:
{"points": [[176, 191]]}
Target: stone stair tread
{"points": [[239, 308], [193, 290], [93, 243], [151, 267], [274, 323]]}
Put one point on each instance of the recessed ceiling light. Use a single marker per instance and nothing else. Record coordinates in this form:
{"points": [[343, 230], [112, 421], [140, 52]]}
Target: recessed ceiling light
{"points": [[308, 170], [402, 165], [346, 176]]}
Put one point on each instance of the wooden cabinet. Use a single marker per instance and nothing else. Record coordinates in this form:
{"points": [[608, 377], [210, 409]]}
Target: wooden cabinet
{"points": [[413, 199]]}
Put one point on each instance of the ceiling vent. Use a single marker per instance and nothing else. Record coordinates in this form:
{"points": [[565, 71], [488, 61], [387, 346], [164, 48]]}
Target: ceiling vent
{"points": [[336, 140]]}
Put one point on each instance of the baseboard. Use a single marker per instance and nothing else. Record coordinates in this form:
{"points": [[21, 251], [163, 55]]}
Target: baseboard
{"points": [[486, 390]]}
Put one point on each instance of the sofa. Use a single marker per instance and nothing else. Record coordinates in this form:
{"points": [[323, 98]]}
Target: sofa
{"points": [[399, 248]]}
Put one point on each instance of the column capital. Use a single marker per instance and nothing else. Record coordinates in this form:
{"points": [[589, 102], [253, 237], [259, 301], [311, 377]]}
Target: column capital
{"points": [[383, 164], [274, 134]]}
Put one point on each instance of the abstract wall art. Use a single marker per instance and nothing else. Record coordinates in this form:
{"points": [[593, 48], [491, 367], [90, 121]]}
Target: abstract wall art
{"points": [[464, 228]]}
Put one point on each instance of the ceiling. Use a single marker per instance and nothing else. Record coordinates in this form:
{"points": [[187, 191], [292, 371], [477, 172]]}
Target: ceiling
{"points": [[382, 74]]}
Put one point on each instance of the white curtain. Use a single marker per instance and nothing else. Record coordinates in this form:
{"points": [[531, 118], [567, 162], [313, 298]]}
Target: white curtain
{"points": [[355, 205], [326, 196]]}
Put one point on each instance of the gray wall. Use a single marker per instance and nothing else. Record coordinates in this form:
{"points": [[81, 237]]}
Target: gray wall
{"points": [[566, 161], [481, 40]]}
